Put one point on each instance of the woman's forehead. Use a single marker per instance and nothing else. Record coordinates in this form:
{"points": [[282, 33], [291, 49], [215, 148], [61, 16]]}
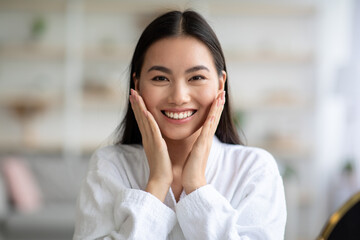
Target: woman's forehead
{"points": [[178, 52]]}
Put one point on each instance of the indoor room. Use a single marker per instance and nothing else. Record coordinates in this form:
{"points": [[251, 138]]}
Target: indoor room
{"points": [[293, 69]]}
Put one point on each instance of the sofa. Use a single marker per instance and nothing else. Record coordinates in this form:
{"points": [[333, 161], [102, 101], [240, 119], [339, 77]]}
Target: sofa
{"points": [[38, 196]]}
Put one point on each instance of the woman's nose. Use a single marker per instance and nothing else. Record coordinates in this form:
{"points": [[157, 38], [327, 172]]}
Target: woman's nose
{"points": [[179, 94]]}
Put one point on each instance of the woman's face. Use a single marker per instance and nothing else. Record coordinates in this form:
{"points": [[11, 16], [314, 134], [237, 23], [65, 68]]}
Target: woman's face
{"points": [[179, 82]]}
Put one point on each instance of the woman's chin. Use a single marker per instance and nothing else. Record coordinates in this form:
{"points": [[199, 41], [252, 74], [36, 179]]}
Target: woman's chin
{"points": [[180, 135]]}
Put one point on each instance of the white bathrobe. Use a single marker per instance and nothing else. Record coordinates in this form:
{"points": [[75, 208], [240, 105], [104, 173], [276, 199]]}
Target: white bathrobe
{"points": [[244, 198]]}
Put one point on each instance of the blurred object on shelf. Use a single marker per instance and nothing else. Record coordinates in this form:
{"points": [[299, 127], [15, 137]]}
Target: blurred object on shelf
{"points": [[95, 88], [108, 51], [38, 28], [283, 98], [267, 55], [97, 94], [25, 108], [31, 51], [286, 146], [344, 184], [288, 172], [21, 185], [348, 168]]}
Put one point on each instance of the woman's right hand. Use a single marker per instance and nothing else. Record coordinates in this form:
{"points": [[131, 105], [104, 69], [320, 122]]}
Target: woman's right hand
{"points": [[155, 148]]}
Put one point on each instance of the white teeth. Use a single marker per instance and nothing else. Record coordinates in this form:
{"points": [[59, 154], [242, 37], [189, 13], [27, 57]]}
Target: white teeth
{"points": [[180, 115]]}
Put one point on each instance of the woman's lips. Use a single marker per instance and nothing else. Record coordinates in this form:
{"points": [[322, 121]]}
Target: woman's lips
{"points": [[178, 115]]}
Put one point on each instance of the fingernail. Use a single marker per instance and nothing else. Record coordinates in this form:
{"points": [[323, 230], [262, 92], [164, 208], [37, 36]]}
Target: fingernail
{"points": [[135, 96]]}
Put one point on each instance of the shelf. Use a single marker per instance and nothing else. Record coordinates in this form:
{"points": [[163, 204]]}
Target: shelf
{"points": [[16, 147], [235, 55], [41, 52], [32, 51], [213, 7], [130, 7], [105, 102], [41, 96], [275, 110], [33, 5], [286, 150], [123, 52], [290, 104], [114, 53], [262, 9]]}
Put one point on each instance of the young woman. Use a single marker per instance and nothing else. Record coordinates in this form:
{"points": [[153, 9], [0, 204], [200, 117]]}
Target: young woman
{"points": [[179, 171]]}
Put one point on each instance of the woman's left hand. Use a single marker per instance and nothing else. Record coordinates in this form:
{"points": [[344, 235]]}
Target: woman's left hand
{"points": [[193, 174]]}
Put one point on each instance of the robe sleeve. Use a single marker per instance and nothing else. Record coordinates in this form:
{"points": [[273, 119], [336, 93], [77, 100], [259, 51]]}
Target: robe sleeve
{"points": [[259, 215], [108, 209]]}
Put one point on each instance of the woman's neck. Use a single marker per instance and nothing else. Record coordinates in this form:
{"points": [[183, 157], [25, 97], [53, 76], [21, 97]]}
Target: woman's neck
{"points": [[179, 150]]}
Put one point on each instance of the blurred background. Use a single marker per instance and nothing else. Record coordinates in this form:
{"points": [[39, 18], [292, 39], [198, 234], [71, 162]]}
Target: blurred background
{"points": [[294, 75]]}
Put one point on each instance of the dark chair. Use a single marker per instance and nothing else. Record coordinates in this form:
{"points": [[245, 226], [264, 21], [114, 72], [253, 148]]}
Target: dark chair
{"points": [[344, 224]]}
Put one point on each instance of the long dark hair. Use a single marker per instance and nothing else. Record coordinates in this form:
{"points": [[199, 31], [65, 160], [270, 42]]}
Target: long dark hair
{"points": [[176, 23]]}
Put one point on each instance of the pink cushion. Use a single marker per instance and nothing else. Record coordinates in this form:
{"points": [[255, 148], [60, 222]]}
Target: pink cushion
{"points": [[21, 184]]}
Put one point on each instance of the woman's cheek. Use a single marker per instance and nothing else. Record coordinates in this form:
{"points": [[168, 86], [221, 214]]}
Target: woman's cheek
{"points": [[207, 97], [150, 100]]}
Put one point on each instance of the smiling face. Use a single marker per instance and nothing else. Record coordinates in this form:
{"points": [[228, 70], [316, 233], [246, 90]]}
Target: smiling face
{"points": [[179, 82]]}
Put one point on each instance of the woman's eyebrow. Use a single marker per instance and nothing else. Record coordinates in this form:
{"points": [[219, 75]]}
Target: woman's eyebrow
{"points": [[160, 68], [168, 71], [197, 68]]}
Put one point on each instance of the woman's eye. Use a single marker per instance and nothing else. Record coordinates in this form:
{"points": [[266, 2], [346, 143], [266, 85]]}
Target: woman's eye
{"points": [[197, 78], [159, 78]]}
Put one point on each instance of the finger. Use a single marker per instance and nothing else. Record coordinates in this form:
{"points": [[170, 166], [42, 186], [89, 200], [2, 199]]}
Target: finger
{"points": [[207, 126], [140, 113], [155, 130], [213, 118], [137, 111], [148, 119], [151, 128], [215, 112], [219, 110]]}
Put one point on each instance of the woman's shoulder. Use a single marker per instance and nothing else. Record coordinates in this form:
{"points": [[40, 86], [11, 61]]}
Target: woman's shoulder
{"points": [[120, 166], [248, 151], [116, 156], [119, 149], [254, 158]]}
